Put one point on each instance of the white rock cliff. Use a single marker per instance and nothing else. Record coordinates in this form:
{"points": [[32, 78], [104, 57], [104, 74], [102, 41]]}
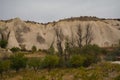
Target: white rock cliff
{"points": [[104, 32]]}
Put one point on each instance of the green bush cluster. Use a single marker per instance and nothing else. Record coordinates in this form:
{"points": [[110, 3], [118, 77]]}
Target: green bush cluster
{"points": [[3, 43], [18, 61], [78, 57], [112, 56], [84, 56], [35, 63], [74, 57], [15, 49], [34, 49], [51, 50], [4, 66], [77, 61], [50, 61], [15, 62]]}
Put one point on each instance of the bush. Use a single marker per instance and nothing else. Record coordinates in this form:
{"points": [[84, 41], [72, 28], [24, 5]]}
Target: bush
{"points": [[77, 61], [92, 54], [35, 63], [51, 50], [34, 49], [90, 59], [91, 49], [18, 61], [112, 56], [3, 43], [50, 61], [4, 66], [15, 49]]}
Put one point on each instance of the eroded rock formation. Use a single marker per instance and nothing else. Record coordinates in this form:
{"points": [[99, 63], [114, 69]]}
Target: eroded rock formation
{"points": [[79, 31]]}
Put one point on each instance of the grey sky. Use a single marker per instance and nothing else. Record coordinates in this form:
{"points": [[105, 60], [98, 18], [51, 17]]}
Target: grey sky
{"points": [[50, 10]]}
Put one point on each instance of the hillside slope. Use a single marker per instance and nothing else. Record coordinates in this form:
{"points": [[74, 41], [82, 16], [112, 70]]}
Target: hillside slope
{"points": [[103, 32]]}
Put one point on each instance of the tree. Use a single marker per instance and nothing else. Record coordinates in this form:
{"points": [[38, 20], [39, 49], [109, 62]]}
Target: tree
{"points": [[3, 43], [34, 49], [88, 36], [59, 35], [80, 37], [72, 42], [50, 61], [35, 63], [51, 50], [67, 49], [18, 61]]}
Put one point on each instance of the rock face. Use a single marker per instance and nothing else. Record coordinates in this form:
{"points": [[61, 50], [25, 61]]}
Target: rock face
{"points": [[103, 32]]}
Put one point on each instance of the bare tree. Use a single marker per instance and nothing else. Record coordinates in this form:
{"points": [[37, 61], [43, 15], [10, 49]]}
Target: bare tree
{"points": [[67, 49], [88, 36], [72, 42], [80, 37], [59, 36]]}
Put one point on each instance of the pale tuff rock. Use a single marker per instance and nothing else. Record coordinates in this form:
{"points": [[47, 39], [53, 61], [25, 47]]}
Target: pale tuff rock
{"points": [[12, 39], [105, 33]]}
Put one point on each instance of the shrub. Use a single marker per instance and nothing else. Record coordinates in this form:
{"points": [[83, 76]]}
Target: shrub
{"points": [[15, 49], [90, 59], [4, 66], [92, 54], [91, 49], [112, 56], [77, 61], [34, 63], [34, 49], [51, 50], [18, 61], [3, 43], [50, 61], [23, 47]]}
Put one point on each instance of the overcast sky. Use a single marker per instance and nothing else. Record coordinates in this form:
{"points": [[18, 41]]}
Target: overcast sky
{"points": [[50, 10]]}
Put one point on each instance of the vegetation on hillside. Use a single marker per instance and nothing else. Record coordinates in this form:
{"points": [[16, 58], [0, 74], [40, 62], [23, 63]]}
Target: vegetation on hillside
{"points": [[87, 62], [3, 43]]}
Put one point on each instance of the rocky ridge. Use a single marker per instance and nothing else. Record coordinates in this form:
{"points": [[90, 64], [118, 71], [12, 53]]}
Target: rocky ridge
{"points": [[19, 33]]}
